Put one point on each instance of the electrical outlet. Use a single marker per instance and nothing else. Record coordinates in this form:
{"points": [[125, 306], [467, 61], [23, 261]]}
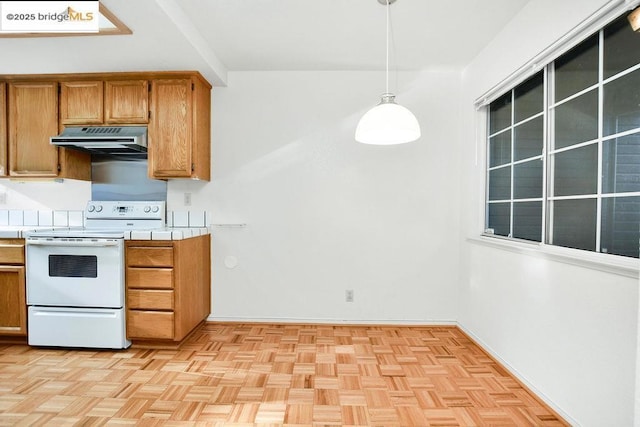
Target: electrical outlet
{"points": [[187, 199], [3, 198], [348, 295]]}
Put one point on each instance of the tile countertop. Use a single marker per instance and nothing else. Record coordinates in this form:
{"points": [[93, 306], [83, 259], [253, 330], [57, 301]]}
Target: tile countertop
{"points": [[14, 224], [166, 233], [18, 231]]}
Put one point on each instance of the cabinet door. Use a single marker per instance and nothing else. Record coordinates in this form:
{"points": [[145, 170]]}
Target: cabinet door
{"points": [[170, 129], [3, 129], [126, 102], [33, 119], [81, 103], [13, 307]]}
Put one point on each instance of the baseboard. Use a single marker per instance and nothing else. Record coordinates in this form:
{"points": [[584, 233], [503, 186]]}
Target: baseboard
{"points": [[325, 321], [519, 377]]}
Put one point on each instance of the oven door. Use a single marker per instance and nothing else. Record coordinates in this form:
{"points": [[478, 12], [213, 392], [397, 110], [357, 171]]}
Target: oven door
{"points": [[75, 272]]}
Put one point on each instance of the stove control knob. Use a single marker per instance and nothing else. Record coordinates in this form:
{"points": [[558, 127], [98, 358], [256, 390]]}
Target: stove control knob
{"points": [[99, 208], [147, 209], [155, 209], [91, 208]]}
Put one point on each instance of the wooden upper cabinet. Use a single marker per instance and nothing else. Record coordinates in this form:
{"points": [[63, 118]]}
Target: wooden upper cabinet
{"points": [[104, 102], [33, 119], [3, 129], [81, 103], [170, 153], [179, 129], [126, 102]]}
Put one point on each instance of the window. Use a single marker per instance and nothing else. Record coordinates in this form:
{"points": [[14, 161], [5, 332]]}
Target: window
{"points": [[563, 150]]}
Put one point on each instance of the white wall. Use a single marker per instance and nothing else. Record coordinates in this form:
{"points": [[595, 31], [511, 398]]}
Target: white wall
{"points": [[67, 194], [568, 331], [323, 213]]}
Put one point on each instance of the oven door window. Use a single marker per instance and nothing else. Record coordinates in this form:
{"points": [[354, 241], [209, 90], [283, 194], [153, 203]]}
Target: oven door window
{"points": [[73, 266]]}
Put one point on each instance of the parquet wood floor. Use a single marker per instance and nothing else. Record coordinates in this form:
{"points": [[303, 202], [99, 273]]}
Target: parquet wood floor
{"points": [[271, 375]]}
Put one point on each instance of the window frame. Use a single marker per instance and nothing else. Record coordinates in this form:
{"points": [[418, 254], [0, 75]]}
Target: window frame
{"points": [[620, 264], [512, 163]]}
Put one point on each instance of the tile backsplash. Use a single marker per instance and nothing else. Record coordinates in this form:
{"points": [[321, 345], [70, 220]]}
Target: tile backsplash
{"points": [[188, 218], [44, 218]]}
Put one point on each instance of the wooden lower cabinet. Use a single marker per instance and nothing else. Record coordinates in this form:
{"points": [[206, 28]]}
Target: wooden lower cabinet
{"points": [[168, 287], [13, 305]]}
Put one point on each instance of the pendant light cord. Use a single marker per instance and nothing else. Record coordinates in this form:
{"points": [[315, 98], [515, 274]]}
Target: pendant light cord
{"points": [[387, 66]]}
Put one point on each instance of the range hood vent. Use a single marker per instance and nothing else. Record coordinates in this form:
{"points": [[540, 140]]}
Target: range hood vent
{"points": [[124, 142], [102, 130]]}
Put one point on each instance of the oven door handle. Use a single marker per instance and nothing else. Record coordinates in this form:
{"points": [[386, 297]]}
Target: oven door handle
{"points": [[80, 243]]}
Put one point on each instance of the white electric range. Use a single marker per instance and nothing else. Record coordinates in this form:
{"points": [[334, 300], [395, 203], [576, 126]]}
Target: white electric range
{"points": [[75, 276]]}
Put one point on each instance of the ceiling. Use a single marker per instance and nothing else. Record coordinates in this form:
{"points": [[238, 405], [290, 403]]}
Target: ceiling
{"points": [[216, 36]]}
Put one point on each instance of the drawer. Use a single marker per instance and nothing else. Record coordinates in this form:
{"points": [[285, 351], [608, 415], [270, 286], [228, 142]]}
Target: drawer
{"points": [[157, 278], [12, 251], [149, 324], [161, 256], [148, 299]]}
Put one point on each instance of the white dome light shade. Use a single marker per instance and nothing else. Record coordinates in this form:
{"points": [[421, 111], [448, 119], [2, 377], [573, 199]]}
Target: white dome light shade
{"points": [[387, 124]]}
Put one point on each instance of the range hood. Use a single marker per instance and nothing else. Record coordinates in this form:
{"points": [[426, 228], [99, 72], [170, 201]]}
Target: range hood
{"points": [[120, 141]]}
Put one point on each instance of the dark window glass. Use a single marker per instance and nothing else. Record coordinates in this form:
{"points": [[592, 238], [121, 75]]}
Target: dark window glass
{"points": [[574, 223], [529, 98], [527, 180], [576, 171], [500, 184], [73, 266], [529, 139], [500, 218], [581, 135], [500, 149], [620, 226], [622, 104], [577, 69], [500, 113], [576, 121], [527, 220], [621, 47], [621, 165]]}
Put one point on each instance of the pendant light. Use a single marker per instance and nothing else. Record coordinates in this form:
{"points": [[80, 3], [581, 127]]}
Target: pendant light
{"points": [[387, 123]]}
